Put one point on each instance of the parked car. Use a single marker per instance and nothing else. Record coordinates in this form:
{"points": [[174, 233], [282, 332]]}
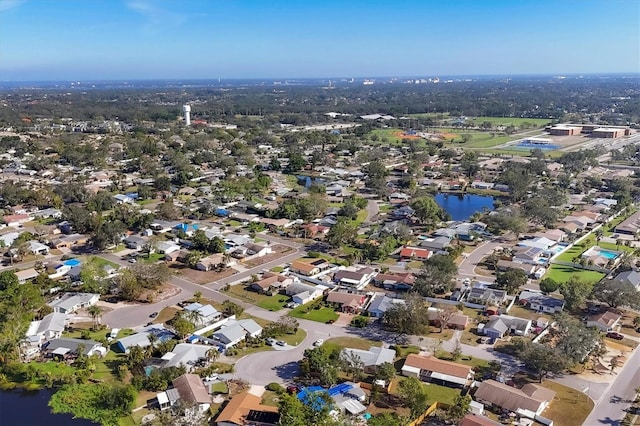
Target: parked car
{"points": [[270, 341], [614, 335], [280, 343], [153, 315], [318, 342], [330, 322]]}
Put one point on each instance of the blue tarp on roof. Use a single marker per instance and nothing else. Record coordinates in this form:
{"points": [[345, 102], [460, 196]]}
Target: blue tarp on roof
{"points": [[222, 212], [339, 389]]}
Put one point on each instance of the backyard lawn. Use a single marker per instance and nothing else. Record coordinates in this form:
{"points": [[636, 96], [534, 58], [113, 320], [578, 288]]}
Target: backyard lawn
{"points": [[323, 314], [570, 407], [271, 303], [350, 342], [153, 258], [434, 392], [561, 274]]}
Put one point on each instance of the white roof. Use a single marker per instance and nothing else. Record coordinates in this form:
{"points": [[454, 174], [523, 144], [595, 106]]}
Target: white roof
{"points": [[411, 369], [163, 398], [60, 351], [448, 378], [353, 406]]}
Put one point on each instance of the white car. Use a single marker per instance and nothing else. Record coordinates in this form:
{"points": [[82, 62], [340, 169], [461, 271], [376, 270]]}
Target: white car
{"points": [[318, 342]]}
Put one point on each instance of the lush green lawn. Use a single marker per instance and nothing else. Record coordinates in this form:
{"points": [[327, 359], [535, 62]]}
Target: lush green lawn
{"points": [[561, 274], [511, 121], [434, 392], [153, 258], [615, 247], [107, 367], [220, 387], [98, 261], [464, 359], [323, 314], [339, 343], [274, 303], [576, 250], [294, 339]]}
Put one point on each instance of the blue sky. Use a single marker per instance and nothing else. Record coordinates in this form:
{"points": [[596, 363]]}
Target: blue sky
{"points": [[182, 39]]}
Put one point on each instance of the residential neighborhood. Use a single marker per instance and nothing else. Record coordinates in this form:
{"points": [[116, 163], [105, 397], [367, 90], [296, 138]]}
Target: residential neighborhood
{"points": [[378, 270]]}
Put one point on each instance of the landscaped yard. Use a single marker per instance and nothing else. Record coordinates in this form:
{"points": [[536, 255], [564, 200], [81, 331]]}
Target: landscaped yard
{"points": [[271, 303], [323, 314], [520, 312], [561, 274], [294, 339], [153, 258], [570, 407], [350, 342], [434, 392]]}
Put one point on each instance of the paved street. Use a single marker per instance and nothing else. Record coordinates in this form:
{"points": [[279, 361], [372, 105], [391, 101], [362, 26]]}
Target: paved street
{"points": [[466, 269], [610, 409]]}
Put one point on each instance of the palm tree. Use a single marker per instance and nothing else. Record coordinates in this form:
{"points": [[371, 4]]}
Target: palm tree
{"points": [[96, 312], [212, 354], [195, 317], [153, 339]]}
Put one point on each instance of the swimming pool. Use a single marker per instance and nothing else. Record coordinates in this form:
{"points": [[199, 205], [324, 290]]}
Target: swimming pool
{"points": [[607, 253]]}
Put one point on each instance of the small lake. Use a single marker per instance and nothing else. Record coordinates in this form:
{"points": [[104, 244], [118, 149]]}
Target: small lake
{"points": [[462, 207], [18, 408]]}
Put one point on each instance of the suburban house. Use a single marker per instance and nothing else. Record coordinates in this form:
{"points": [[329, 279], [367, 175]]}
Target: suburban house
{"points": [[500, 325], [401, 281], [202, 315], [352, 303], [605, 321], [629, 277], [189, 389], [629, 226], [358, 279], [304, 293], [457, 321], [309, 268], [69, 241], [246, 409], [16, 219], [415, 253], [166, 247], [540, 302], [487, 296], [212, 261], [530, 401], [370, 359], [436, 244], [141, 338], [347, 397], [235, 332], [71, 302], [528, 268], [26, 275], [477, 420], [271, 281], [135, 242], [381, 303], [257, 250], [65, 348], [187, 355], [432, 369], [49, 327], [37, 247]]}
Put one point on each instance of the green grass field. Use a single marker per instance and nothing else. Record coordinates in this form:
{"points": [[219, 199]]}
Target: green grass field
{"points": [[323, 314], [153, 258], [561, 274], [271, 303], [512, 121]]}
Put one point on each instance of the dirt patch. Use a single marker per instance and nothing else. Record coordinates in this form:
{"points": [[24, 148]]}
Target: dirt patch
{"points": [[165, 291], [278, 251], [203, 277], [403, 135], [448, 135]]}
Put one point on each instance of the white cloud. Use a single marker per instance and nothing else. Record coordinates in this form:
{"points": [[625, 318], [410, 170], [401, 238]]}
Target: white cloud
{"points": [[9, 4], [155, 17]]}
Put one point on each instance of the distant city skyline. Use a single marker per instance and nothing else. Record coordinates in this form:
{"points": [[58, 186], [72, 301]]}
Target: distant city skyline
{"points": [[170, 39]]}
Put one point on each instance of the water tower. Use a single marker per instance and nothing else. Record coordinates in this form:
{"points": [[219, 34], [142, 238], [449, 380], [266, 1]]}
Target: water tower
{"points": [[187, 114]]}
